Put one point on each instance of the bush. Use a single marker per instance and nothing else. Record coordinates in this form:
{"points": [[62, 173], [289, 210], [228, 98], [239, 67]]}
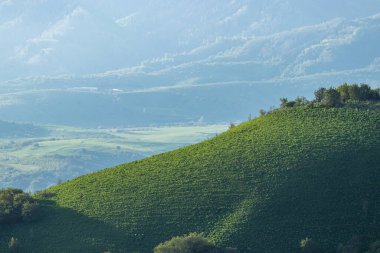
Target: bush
{"points": [[284, 102], [262, 112], [15, 205], [354, 92], [344, 91], [331, 98], [308, 245], [319, 94], [30, 211], [192, 243], [300, 101], [13, 245]]}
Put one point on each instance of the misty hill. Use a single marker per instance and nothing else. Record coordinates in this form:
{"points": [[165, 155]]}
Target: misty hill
{"points": [[20, 130]]}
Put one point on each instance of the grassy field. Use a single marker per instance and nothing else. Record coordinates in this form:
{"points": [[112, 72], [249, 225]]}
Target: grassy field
{"points": [[61, 153], [261, 187]]}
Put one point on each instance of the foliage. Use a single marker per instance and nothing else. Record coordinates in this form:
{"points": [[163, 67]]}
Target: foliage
{"points": [[15, 205], [308, 245], [344, 91], [319, 94], [335, 97], [296, 171], [192, 243], [13, 245], [374, 247], [296, 102], [262, 112], [331, 98]]}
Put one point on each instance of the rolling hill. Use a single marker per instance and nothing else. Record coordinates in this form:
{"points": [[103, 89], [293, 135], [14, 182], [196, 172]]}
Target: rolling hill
{"points": [[262, 186]]}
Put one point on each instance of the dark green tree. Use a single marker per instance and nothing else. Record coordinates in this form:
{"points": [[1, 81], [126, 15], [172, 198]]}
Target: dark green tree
{"points": [[284, 102], [319, 94], [344, 91], [354, 92], [364, 92], [300, 101], [331, 98], [15, 205]]}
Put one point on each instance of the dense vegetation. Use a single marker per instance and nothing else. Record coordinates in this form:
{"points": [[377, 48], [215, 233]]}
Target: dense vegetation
{"points": [[15, 206], [192, 243], [336, 97], [260, 187]]}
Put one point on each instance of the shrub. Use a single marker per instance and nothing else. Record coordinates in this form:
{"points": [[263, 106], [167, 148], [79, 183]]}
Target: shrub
{"points": [[262, 112], [344, 91], [364, 92], [30, 211], [319, 94], [300, 101], [13, 245], [15, 205], [192, 243], [308, 245], [284, 102], [331, 98], [354, 92]]}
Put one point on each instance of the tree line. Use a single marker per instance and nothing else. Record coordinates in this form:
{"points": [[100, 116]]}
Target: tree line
{"points": [[336, 97]]}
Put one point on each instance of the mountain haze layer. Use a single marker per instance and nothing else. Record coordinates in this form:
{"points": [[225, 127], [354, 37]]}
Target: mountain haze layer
{"points": [[139, 59]]}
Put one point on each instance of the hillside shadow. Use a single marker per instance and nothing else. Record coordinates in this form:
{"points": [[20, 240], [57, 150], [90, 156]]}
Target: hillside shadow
{"points": [[64, 230], [330, 200]]}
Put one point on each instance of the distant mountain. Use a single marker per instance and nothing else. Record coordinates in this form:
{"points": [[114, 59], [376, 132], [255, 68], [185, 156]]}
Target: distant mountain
{"points": [[9, 130], [160, 62], [81, 37], [261, 187]]}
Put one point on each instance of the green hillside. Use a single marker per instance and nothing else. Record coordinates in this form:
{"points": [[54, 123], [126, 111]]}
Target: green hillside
{"points": [[261, 187]]}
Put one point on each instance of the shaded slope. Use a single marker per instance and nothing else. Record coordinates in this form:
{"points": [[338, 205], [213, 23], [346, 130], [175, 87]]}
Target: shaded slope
{"points": [[261, 186]]}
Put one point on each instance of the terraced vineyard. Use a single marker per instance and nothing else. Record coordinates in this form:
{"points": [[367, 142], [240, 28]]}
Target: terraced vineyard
{"points": [[261, 187]]}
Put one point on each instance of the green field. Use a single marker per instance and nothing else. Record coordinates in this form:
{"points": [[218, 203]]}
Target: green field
{"points": [[260, 187], [60, 153]]}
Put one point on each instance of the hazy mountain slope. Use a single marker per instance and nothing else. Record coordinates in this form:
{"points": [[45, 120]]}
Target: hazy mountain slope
{"points": [[261, 186], [10, 130], [159, 53]]}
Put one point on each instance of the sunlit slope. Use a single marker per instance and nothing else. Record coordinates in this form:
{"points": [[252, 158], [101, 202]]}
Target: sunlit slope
{"points": [[261, 187]]}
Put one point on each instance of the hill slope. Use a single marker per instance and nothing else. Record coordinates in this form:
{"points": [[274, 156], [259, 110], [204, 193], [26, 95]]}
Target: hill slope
{"points": [[262, 186]]}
